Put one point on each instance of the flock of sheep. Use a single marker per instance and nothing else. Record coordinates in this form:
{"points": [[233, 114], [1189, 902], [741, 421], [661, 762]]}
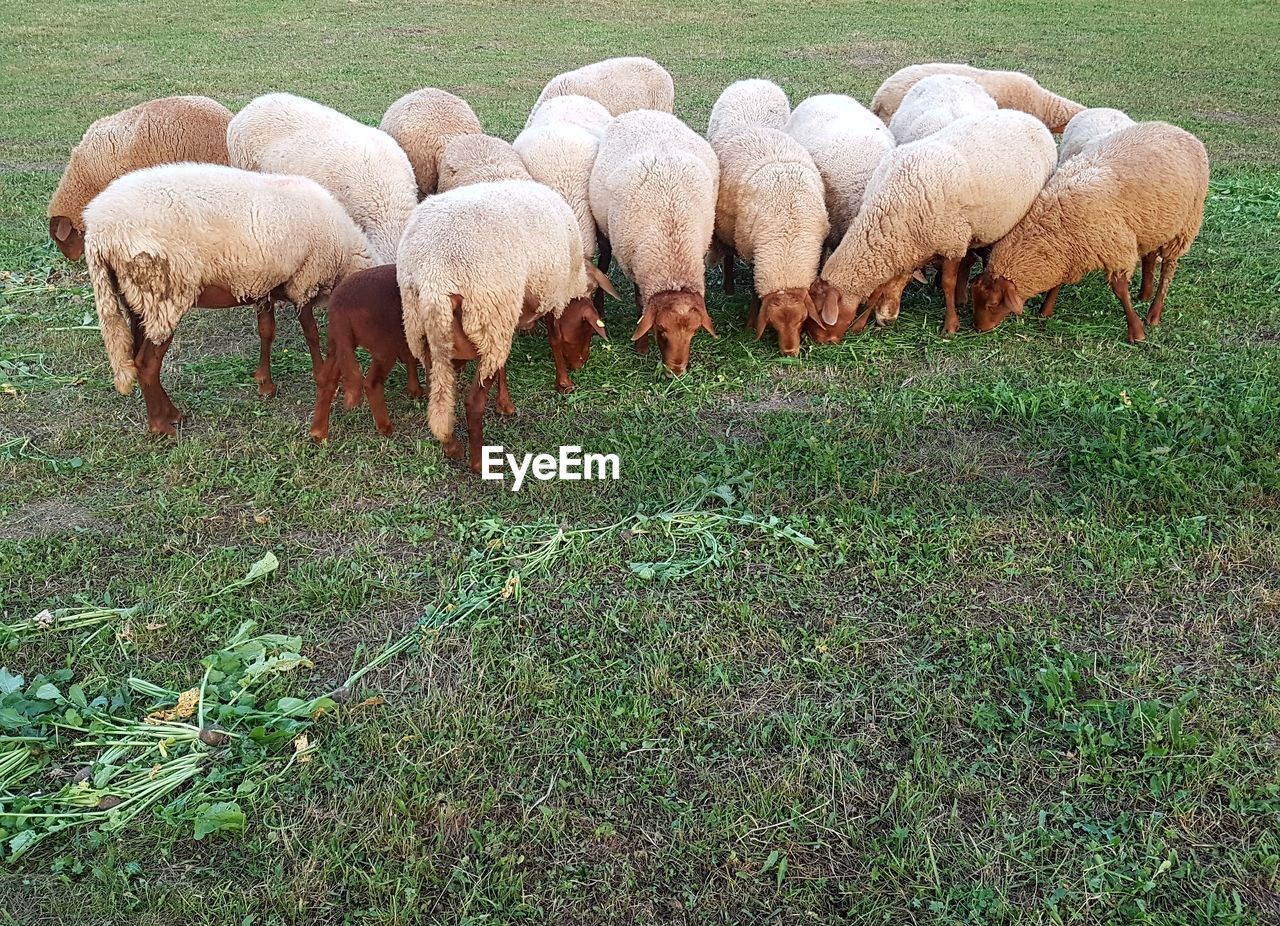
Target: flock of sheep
{"points": [[436, 242]]}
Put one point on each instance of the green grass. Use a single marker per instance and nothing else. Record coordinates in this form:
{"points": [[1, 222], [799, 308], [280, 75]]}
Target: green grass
{"points": [[1029, 674]]}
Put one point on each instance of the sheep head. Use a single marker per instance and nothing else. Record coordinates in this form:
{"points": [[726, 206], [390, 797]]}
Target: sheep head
{"points": [[785, 311], [994, 299], [68, 238], [835, 315], [674, 317], [576, 326]]}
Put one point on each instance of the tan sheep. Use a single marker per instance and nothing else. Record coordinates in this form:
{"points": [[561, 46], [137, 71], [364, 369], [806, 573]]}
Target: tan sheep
{"points": [[1090, 125], [619, 84], [421, 122], [749, 103], [1010, 90], [468, 159], [1132, 194], [165, 131]]}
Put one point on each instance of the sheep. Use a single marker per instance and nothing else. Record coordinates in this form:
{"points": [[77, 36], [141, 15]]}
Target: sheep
{"points": [[364, 311], [1010, 90], [474, 264], [653, 194], [963, 187], [468, 159], [935, 102], [1134, 193], [619, 84], [846, 143], [362, 166], [1088, 125], [163, 240], [165, 131], [581, 111], [771, 211], [421, 122], [749, 103]]}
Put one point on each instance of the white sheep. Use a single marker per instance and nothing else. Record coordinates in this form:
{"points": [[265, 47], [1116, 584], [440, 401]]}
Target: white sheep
{"points": [[468, 159], [619, 84], [936, 102], [561, 155], [362, 166], [164, 131], [581, 111], [1010, 90], [771, 211], [474, 264], [653, 195], [1089, 125], [847, 143], [963, 187], [421, 121], [164, 240], [748, 103]]}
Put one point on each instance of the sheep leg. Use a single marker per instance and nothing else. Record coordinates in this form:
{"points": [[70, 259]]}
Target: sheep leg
{"points": [[161, 412], [606, 255], [564, 385], [266, 334], [375, 388], [1148, 275], [950, 274], [1167, 267], [641, 344], [503, 405], [453, 448], [412, 385], [307, 318], [326, 388], [477, 398], [728, 272], [962, 281], [1050, 301], [753, 311], [1120, 286]]}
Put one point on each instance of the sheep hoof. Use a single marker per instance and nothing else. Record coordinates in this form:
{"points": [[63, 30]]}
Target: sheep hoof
{"points": [[506, 409], [453, 450], [162, 428], [386, 430], [350, 401], [267, 390], [320, 435], [564, 388]]}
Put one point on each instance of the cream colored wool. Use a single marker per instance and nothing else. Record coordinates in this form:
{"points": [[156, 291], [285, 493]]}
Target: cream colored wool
{"points": [[619, 84], [498, 246], [1010, 90], [165, 131], [653, 194], [1089, 125], [469, 159], [965, 186], [159, 236], [771, 209], [362, 166], [749, 103], [561, 156], [581, 111], [1133, 192], [421, 122], [847, 143], [936, 102]]}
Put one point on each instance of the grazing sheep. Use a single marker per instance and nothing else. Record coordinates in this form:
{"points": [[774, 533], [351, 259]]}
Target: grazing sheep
{"points": [[167, 239], [363, 167], [771, 212], [619, 84], [364, 311], [749, 103], [475, 264], [1132, 194], [936, 102], [1010, 90], [961, 188], [468, 159], [653, 194], [581, 111], [1089, 125], [847, 143], [165, 131], [421, 122]]}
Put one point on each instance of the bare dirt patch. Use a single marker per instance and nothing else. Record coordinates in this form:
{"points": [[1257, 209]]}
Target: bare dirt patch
{"points": [[975, 453], [1224, 117], [47, 517]]}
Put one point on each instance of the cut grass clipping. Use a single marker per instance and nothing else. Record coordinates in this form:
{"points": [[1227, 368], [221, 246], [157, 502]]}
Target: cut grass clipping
{"points": [[73, 758]]}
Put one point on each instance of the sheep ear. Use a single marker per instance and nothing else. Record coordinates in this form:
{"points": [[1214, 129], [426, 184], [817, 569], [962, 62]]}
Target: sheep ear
{"points": [[602, 280], [762, 318], [830, 307], [59, 227], [595, 324], [646, 322], [918, 276], [705, 321]]}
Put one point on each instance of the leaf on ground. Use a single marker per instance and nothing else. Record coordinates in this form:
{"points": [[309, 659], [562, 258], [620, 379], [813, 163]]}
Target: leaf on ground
{"points": [[223, 817]]}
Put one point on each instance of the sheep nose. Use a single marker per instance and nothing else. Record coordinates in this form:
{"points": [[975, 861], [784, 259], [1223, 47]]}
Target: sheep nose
{"points": [[791, 352]]}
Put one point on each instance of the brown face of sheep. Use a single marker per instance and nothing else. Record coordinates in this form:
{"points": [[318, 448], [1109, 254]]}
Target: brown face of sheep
{"points": [[834, 314], [786, 311], [68, 238], [675, 318], [994, 299], [578, 324]]}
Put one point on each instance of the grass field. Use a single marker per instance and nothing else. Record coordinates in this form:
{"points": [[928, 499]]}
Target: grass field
{"points": [[1028, 673]]}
